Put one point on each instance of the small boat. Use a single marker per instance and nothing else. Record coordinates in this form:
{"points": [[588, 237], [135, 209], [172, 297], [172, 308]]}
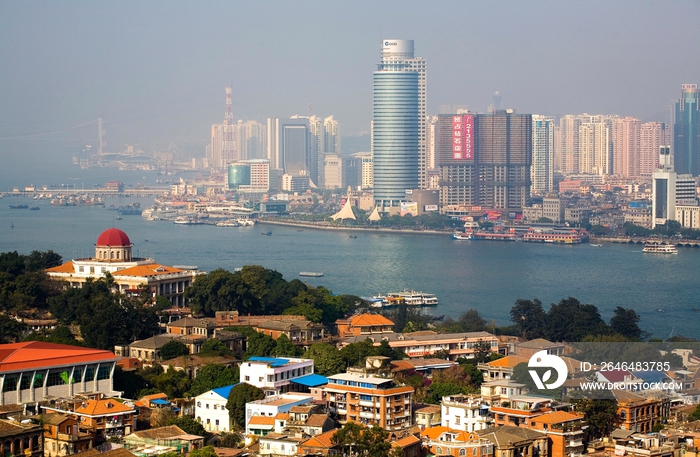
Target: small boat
{"points": [[462, 236], [34, 208], [353, 236], [228, 224], [312, 274], [300, 230], [19, 206], [596, 245], [118, 218], [268, 233]]}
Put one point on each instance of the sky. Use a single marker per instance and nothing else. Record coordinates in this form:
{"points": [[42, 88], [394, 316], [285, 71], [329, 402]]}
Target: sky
{"points": [[156, 70]]}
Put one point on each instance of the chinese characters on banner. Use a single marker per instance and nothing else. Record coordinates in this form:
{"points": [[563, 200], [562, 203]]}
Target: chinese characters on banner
{"points": [[463, 137]]}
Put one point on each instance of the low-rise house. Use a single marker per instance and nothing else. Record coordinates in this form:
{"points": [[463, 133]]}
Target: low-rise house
{"points": [[273, 407], [281, 444], [276, 375], [260, 425], [364, 325], [234, 319], [495, 392], [500, 368], [409, 445], [158, 440], [210, 409], [427, 416], [192, 326], [464, 412], [565, 432], [520, 410], [62, 436], [444, 441], [426, 343], [528, 348], [308, 419], [638, 413], [301, 331], [422, 366], [510, 441], [21, 438], [320, 445]]}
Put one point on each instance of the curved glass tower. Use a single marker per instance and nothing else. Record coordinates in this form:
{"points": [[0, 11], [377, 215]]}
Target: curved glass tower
{"points": [[396, 132]]}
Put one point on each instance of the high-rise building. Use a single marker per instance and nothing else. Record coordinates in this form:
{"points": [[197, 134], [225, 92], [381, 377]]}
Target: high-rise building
{"points": [[289, 148], [686, 131], [250, 140], [485, 159], [569, 143], [215, 151], [594, 146], [626, 134], [542, 169], [366, 169], [331, 135], [652, 135], [397, 124], [402, 52], [332, 171]]}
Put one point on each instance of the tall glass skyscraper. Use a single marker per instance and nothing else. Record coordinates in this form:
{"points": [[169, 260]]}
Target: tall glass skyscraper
{"points": [[396, 120], [686, 131]]}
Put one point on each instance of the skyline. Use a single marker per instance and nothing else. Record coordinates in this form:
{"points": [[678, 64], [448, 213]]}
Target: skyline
{"points": [[157, 71]]}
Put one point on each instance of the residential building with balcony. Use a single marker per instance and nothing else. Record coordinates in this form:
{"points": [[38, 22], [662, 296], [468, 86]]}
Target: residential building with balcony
{"points": [[62, 436], [33, 371], [565, 432], [520, 410], [278, 375], [102, 418], [500, 369], [466, 413], [495, 392], [369, 400], [281, 444], [364, 325], [427, 416], [445, 441], [275, 407], [21, 439], [638, 413]]}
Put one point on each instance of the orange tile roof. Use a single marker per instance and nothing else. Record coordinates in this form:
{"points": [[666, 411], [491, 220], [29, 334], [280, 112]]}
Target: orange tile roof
{"points": [[67, 267], [324, 440], [401, 365], [282, 416], [509, 361], [262, 420], [148, 270], [405, 441], [102, 407], [370, 319], [37, 354], [556, 417], [434, 433]]}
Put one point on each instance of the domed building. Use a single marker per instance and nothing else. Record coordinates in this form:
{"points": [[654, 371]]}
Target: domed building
{"points": [[113, 255]]}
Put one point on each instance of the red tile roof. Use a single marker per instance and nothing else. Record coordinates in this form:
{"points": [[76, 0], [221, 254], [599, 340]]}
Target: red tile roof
{"points": [[31, 355], [369, 319], [102, 407], [67, 267]]}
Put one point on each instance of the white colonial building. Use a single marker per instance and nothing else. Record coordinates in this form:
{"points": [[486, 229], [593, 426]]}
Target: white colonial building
{"points": [[270, 407], [276, 375], [210, 409], [464, 412]]}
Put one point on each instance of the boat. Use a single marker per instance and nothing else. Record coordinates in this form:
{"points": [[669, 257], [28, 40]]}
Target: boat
{"points": [[118, 218], [187, 221], [19, 206], [228, 224], [34, 208], [596, 245], [461, 236], [414, 298], [268, 233], [353, 236], [659, 248], [246, 222], [312, 274], [555, 236]]}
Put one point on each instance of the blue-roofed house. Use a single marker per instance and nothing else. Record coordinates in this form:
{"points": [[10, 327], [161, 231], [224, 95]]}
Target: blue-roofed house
{"points": [[210, 409], [276, 375]]}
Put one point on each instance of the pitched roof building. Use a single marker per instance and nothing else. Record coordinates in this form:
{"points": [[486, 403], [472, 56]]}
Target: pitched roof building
{"points": [[364, 325]]}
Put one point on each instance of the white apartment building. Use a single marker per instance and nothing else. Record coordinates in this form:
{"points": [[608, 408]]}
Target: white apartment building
{"points": [[464, 412], [210, 409], [542, 169], [275, 375]]}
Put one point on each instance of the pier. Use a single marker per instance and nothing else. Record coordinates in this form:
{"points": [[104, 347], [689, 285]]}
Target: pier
{"points": [[678, 242], [104, 193]]}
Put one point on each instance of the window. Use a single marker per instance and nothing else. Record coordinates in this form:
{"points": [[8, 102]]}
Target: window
{"points": [[90, 372], [473, 451], [77, 375], [208, 420], [10, 384], [207, 407], [103, 372], [439, 450], [199, 404], [247, 378], [217, 422], [457, 420], [462, 452]]}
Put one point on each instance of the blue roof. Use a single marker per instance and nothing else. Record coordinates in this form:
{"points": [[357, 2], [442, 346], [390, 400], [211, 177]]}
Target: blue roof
{"points": [[274, 362], [160, 401], [311, 380], [224, 391], [651, 376]]}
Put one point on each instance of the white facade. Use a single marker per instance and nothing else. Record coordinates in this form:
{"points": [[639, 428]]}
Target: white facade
{"points": [[259, 176], [271, 406], [461, 412], [210, 409], [366, 170], [279, 445], [274, 375], [542, 169], [332, 171]]}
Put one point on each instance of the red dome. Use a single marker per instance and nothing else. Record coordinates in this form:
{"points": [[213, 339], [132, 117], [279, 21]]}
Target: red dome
{"points": [[113, 237]]}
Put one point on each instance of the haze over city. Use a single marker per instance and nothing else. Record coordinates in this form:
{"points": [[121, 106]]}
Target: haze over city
{"points": [[156, 71]]}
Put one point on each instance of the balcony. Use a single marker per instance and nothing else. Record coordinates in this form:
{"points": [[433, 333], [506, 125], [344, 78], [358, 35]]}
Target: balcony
{"points": [[367, 414], [575, 443], [369, 403], [113, 424]]}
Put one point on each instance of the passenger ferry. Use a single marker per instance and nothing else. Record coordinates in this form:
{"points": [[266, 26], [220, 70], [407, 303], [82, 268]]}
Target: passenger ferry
{"points": [[413, 298], [659, 248], [554, 236]]}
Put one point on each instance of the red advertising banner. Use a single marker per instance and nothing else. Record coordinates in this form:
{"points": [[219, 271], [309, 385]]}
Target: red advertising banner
{"points": [[463, 137]]}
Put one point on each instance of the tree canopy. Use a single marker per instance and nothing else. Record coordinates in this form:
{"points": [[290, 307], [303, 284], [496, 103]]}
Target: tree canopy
{"points": [[173, 349], [240, 395], [327, 359], [24, 285]]}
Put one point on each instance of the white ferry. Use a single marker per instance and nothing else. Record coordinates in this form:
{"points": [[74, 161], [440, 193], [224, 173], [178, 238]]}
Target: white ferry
{"points": [[228, 223], [413, 298], [659, 248]]}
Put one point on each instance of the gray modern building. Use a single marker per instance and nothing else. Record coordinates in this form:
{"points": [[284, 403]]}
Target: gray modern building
{"points": [[686, 131], [397, 125], [289, 148]]}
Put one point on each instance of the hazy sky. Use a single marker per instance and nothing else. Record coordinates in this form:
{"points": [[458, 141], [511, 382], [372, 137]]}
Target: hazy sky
{"points": [[157, 69]]}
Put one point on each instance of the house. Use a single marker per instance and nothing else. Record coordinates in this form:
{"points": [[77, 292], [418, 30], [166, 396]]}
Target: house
{"points": [[464, 412], [529, 348], [510, 441], [320, 445], [281, 444], [307, 419], [21, 439], [192, 326], [102, 418], [278, 375], [62, 436], [210, 409], [409, 445], [444, 441], [364, 325], [33, 371], [234, 319], [301, 331], [427, 416], [500, 368], [369, 400], [276, 407], [169, 438], [520, 409], [495, 392], [565, 432], [638, 413], [420, 365]]}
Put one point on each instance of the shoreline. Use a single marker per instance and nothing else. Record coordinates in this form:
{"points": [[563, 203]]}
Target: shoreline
{"points": [[317, 226]]}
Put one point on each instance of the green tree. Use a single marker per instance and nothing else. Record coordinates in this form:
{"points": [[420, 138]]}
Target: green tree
{"points": [[695, 415], [600, 414], [173, 349], [385, 350], [625, 322], [174, 383], [189, 425], [128, 382], [285, 348], [354, 354], [240, 395], [571, 321], [215, 347], [206, 451], [327, 359], [362, 441], [307, 310], [11, 330], [213, 292], [442, 389], [232, 440], [257, 344], [529, 317], [212, 376]]}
